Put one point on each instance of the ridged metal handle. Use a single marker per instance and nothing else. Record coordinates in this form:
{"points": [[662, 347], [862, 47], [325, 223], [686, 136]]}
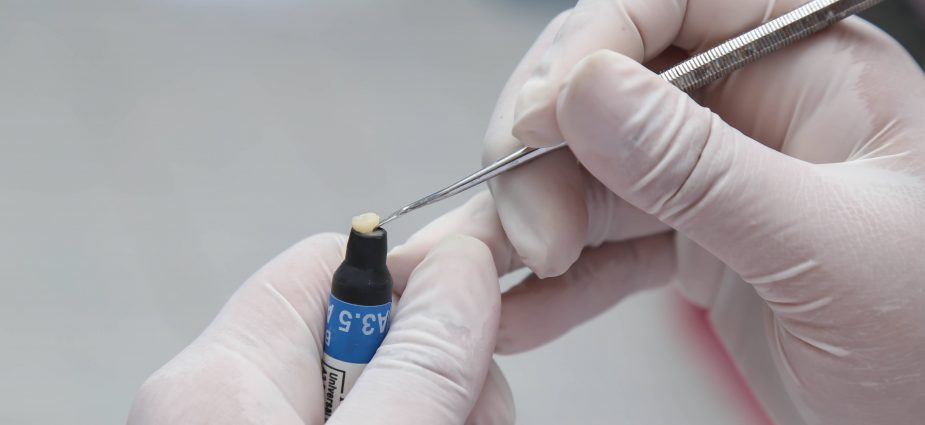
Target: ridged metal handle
{"points": [[733, 54]]}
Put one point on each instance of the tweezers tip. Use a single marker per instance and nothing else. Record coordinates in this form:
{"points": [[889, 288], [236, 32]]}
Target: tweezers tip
{"points": [[391, 217]]}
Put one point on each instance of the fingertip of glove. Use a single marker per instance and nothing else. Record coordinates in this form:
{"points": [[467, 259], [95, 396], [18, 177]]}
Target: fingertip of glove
{"points": [[535, 115], [545, 243], [326, 245], [325, 240], [546, 258], [609, 97], [602, 66], [463, 253]]}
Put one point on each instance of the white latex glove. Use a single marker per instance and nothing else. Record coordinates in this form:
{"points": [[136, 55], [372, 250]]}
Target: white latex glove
{"points": [[259, 361], [797, 199]]}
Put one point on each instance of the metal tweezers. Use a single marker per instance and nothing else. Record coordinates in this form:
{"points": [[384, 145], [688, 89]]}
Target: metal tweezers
{"points": [[690, 75]]}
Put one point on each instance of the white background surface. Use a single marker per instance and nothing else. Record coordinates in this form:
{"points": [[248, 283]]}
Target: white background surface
{"points": [[155, 153]]}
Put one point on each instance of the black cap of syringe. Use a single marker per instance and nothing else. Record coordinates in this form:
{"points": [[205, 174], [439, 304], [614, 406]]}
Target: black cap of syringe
{"points": [[363, 277]]}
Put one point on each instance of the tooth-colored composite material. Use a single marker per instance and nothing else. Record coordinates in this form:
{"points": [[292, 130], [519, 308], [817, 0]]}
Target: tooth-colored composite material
{"points": [[365, 223]]}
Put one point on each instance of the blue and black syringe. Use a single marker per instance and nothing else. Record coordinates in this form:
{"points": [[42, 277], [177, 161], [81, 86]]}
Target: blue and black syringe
{"points": [[358, 313]]}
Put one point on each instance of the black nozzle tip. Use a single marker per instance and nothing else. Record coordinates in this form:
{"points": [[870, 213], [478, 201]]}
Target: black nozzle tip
{"points": [[367, 250]]}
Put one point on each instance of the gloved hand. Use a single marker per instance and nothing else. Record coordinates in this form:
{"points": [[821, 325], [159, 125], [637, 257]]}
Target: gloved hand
{"points": [[259, 361], [797, 199]]}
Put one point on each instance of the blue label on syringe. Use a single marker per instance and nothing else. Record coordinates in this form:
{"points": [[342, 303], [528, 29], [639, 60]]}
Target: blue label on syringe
{"points": [[354, 332]]}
